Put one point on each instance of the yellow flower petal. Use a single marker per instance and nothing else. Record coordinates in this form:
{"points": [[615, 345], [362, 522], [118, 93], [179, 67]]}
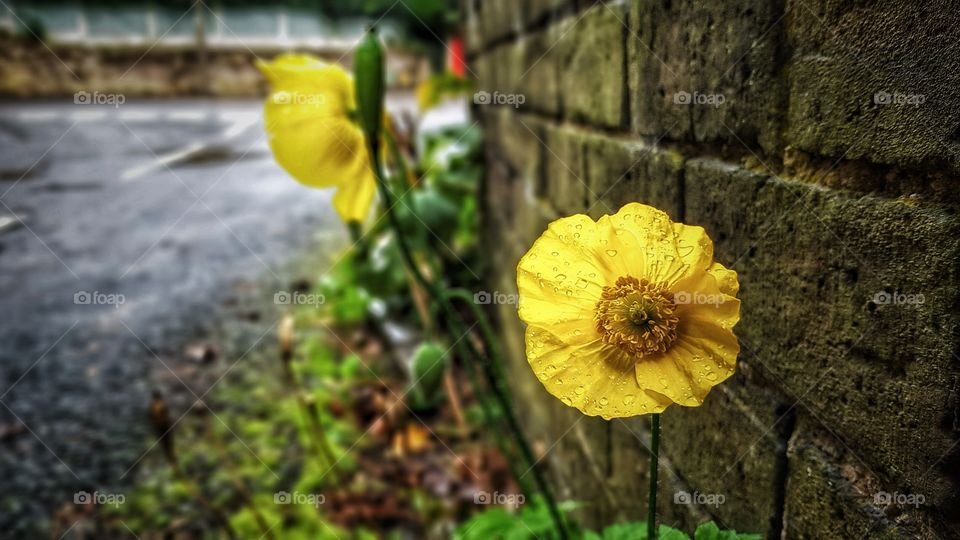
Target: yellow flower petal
{"points": [[664, 332], [571, 371], [311, 134], [726, 279], [704, 356], [560, 278], [352, 201]]}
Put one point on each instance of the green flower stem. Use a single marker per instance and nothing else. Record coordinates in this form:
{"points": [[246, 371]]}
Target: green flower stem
{"points": [[498, 383], [369, 86], [355, 228], [452, 319], [488, 415], [654, 463]]}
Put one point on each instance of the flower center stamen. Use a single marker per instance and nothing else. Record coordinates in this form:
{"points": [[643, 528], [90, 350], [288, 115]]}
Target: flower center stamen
{"points": [[637, 316]]}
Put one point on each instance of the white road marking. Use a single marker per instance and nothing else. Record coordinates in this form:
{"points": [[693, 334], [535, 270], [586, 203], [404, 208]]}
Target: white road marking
{"points": [[238, 124], [162, 161], [139, 116], [9, 222], [187, 116]]}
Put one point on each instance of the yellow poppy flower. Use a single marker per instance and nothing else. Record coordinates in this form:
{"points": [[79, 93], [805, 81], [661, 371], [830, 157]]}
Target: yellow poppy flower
{"points": [[311, 132], [628, 314]]}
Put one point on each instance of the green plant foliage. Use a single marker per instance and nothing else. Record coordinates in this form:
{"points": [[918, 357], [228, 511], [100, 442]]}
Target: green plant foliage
{"points": [[345, 300], [435, 210], [439, 87], [532, 521], [426, 373]]}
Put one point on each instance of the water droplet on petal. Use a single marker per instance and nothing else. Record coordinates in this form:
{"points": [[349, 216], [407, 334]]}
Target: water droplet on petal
{"points": [[582, 283], [629, 398], [612, 252], [580, 390]]}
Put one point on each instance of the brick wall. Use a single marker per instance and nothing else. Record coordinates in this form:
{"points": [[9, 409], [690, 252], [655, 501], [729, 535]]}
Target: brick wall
{"points": [[818, 142]]}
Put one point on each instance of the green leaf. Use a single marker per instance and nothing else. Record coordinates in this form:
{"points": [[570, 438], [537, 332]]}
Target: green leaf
{"points": [[669, 533], [436, 212], [710, 531]]}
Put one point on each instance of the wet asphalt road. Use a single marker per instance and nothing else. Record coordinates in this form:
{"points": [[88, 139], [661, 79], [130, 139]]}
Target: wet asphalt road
{"points": [[122, 233]]}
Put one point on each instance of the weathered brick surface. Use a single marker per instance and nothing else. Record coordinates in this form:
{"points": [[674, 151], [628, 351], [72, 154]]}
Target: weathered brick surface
{"points": [[539, 72], [815, 268], [621, 170], [827, 481], [876, 81], [564, 170], [848, 382], [591, 54], [687, 50], [730, 451]]}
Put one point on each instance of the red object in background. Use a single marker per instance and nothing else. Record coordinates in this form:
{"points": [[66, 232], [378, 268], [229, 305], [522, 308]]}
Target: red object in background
{"points": [[455, 60]]}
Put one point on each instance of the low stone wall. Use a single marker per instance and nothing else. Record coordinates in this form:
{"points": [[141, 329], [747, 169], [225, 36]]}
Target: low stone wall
{"points": [[817, 142], [34, 70]]}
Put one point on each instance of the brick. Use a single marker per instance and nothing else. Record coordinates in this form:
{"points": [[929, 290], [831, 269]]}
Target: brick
{"points": [[630, 480], [515, 163], [535, 10], [708, 48], [620, 170], [591, 50], [566, 186], [812, 262], [849, 56], [831, 495], [495, 19], [538, 76], [732, 446], [498, 71]]}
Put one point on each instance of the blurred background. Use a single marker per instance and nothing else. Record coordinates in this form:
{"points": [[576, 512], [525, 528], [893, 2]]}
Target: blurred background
{"points": [[149, 249]]}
